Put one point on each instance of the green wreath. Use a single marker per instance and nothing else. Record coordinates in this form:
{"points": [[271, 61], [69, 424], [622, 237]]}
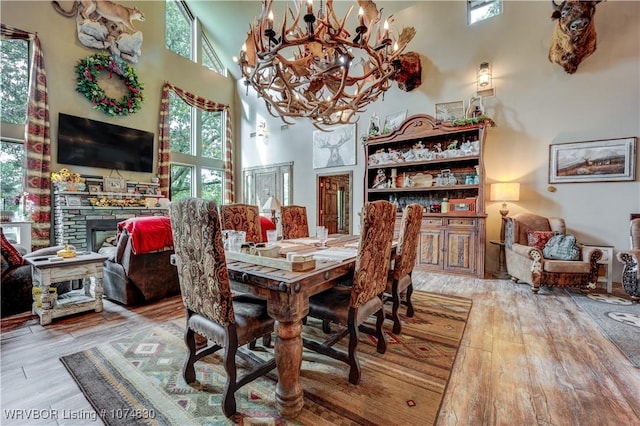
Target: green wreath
{"points": [[87, 71]]}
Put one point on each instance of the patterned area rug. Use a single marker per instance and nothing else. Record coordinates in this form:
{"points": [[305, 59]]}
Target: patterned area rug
{"points": [[137, 380], [619, 319]]}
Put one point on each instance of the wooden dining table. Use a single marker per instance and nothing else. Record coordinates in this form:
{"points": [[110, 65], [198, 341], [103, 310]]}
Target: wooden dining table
{"points": [[287, 293]]}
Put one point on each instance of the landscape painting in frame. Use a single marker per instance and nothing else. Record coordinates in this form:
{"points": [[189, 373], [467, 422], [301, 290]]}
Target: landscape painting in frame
{"points": [[334, 148], [593, 161]]}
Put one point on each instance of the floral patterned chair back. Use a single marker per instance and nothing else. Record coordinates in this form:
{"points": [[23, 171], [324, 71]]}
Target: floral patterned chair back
{"points": [[294, 222], [242, 217], [374, 251], [408, 241], [400, 280], [202, 267]]}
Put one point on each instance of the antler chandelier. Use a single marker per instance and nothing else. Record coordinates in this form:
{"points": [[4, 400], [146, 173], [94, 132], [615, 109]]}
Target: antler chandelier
{"points": [[314, 67]]}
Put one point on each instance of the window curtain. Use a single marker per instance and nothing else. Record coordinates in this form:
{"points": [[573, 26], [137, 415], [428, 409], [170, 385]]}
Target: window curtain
{"points": [[37, 141], [163, 151]]}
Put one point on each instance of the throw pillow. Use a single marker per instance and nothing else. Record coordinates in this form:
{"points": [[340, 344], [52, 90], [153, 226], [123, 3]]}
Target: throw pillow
{"points": [[561, 247], [10, 253], [539, 239]]}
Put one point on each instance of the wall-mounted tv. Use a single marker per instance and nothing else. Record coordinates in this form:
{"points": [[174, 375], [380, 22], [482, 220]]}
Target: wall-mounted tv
{"points": [[90, 143]]}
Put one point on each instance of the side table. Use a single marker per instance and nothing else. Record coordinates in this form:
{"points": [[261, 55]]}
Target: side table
{"points": [[52, 269], [501, 273], [606, 263]]}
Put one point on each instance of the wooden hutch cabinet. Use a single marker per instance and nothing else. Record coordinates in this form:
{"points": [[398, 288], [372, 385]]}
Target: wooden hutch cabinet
{"points": [[427, 163]]}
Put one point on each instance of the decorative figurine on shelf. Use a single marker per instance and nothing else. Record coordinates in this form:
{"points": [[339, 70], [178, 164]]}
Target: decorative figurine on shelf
{"points": [[381, 180], [407, 181], [476, 109], [374, 125]]}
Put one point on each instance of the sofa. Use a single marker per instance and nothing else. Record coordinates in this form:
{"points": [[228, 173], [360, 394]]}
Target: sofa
{"points": [[527, 262], [16, 283], [138, 268]]}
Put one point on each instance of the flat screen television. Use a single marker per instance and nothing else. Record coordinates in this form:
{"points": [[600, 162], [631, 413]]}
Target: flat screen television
{"points": [[90, 143]]}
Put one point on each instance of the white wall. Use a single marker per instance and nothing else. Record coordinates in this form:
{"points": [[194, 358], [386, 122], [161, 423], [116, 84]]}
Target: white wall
{"points": [[537, 104]]}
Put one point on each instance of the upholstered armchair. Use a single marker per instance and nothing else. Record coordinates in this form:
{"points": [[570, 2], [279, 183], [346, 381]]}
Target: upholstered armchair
{"points": [[630, 270], [294, 222], [138, 268], [242, 217], [525, 261]]}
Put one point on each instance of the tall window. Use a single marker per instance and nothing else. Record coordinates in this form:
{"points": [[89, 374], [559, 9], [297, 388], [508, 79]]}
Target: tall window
{"points": [[185, 37], [197, 151], [14, 92], [479, 10]]}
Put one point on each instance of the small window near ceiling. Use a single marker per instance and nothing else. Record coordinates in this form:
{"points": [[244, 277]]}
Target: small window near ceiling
{"points": [[181, 28], [178, 29], [479, 10]]}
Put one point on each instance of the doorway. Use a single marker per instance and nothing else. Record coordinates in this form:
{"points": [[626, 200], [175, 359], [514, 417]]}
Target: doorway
{"points": [[335, 202]]}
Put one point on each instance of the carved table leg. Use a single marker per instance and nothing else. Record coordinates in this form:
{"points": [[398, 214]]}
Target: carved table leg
{"points": [[288, 353]]}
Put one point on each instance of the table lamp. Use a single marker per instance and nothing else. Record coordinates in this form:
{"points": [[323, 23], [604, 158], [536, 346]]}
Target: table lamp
{"points": [[504, 191], [272, 204]]}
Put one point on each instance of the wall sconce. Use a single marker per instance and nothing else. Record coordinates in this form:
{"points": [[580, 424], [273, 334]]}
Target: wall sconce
{"points": [[484, 76], [484, 80]]}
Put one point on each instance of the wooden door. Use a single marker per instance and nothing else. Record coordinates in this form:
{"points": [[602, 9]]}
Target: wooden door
{"points": [[328, 204]]}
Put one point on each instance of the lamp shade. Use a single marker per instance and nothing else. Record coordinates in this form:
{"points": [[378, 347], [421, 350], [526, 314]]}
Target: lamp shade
{"points": [[505, 191], [272, 204]]}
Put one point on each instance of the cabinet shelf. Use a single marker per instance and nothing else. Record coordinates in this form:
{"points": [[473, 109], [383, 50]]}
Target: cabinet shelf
{"points": [[470, 158], [422, 189]]}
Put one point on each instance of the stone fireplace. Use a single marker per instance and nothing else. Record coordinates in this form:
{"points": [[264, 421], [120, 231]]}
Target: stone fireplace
{"points": [[87, 227]]}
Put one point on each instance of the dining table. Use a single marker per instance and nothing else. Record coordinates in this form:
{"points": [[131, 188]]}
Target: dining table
{"points": [[287, 293]]}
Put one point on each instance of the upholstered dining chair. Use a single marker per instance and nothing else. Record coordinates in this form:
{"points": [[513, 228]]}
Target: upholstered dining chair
{"points": [[400, 276], [294, 222], [210, 309], [351, 306], [242, 217]]}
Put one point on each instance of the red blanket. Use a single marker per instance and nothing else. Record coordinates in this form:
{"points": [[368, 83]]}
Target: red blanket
{"points": [[148, 234]]}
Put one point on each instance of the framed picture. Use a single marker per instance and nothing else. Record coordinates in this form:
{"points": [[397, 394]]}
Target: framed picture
{"points": [[450, 111], [117, 184], [94, 188], [394, 121], [73, 201], [593, 161], [334, 148]]}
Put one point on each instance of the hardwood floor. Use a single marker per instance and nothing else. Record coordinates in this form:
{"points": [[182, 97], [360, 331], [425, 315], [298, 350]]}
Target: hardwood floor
{"points": [[525, 359]]}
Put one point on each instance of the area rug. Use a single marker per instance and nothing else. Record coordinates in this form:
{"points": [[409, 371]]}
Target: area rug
{"points": [[619, 319], [137, 380]]}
